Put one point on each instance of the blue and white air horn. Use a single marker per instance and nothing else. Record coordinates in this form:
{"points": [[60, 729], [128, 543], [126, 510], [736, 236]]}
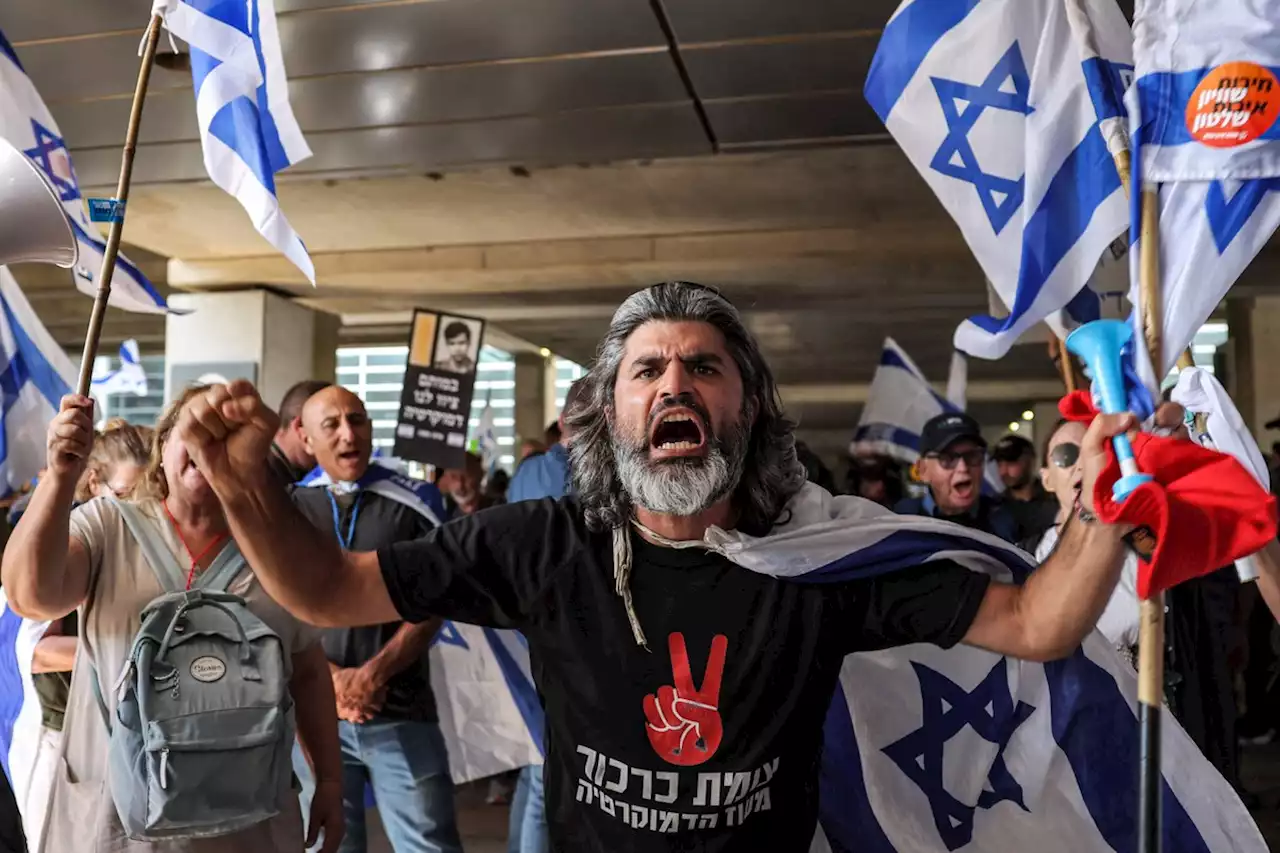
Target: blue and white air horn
{"points": [[1100, 344]]}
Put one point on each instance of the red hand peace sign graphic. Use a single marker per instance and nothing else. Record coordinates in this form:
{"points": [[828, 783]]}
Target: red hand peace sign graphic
{"points": [[684, 723]]}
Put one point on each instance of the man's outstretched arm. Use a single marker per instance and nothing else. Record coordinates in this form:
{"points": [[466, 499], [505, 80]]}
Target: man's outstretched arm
{"points": [[1050, 615], [306, 573], [227, 431]]}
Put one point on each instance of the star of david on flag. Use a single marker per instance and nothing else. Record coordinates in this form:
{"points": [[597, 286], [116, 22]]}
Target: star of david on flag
{"points": [[26, 122], [992, 103], [1219, 205], [990, 711], [962, 106]]}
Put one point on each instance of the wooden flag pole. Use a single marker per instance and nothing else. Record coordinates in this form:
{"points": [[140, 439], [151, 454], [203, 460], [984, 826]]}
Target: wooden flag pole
{"points": [[121, 198], [1151, 613], [1062, 359]]}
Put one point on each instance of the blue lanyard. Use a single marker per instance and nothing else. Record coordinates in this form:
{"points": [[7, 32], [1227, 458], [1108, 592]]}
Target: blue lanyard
{"points": [[337, 522]]}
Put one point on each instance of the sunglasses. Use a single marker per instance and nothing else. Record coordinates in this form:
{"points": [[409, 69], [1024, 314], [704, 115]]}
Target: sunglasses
{"points": [[972, 458], [1065, 455]]}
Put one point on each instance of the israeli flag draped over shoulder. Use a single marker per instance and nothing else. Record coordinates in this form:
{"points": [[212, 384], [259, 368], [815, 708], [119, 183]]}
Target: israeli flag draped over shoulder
{"points": [[930, 750], [900, 403], [20, 713], [993, 103], [26, 122], [489, 711], [247, 128], [1203, 113]]}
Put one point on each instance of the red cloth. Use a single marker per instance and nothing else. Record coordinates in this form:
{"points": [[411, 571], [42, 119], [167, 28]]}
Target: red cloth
{"points": [[1204, 508]]}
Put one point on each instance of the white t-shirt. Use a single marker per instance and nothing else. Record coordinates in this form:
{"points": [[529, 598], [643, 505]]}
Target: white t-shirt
{"points": [[1119, 622]]}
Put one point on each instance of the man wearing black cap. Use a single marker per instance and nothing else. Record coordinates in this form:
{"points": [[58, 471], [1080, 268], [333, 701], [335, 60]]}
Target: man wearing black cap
{"points": [[1032, 507], [953, 454]]}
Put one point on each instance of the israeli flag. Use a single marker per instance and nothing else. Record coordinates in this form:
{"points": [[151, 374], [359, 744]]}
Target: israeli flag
{"points": [[963, 749], [486, 442], [900, 403], [991, 101], [418, 495], [1204, 123], [490, 715], [36, 376], [129, 378], [26, 122], [247, 126]]}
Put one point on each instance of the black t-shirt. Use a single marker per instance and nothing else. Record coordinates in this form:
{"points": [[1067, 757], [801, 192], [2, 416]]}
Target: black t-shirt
{"points": [[380, 521], [710, 741]]}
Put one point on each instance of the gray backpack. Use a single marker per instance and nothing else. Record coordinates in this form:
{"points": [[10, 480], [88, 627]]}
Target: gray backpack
{"points": [[203, 732]]}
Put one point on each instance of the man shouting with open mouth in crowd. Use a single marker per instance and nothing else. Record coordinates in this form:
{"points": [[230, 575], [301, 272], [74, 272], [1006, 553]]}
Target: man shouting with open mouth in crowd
{"points": [[664, 656]]}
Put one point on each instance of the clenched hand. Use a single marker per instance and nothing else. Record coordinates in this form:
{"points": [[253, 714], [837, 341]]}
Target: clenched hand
{"points": [[227, 430]]}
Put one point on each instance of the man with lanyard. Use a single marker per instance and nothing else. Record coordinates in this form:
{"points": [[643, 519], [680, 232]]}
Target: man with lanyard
{"points": [[953, 458], [290, 460], [543, 476], [661, 649], [387, 722]]}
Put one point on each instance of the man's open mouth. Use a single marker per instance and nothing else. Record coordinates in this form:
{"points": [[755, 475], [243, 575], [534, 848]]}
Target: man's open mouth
{"points": [[350, 457], [677, 431]]}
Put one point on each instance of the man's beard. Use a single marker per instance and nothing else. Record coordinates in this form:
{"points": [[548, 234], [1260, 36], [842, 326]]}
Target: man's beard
{"points": [[683, 485]]}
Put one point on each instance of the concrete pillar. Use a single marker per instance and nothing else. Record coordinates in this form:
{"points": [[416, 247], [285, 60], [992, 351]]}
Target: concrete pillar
{"points": [[531, 396], [250, 334], [1253, 363]]}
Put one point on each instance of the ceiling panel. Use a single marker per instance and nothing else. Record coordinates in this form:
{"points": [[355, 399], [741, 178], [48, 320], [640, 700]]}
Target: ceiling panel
{"points": [[408, 96], [575, 137], [754, 68], [718, 20], [836, 114], [22, 20]]}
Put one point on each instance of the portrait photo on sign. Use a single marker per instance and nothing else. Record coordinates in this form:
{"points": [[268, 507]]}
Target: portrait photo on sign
{"points": [[457, 344]]}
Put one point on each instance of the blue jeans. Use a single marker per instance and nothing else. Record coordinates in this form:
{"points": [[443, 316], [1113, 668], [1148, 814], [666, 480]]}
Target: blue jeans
{"points": [[527, 832], [406, 765]]}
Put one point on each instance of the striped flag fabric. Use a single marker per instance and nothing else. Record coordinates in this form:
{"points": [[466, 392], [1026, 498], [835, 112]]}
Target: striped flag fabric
{"points": [[900, 403], [1203, 117], [35, 374], [992, 103], [247, 127], [26, 122], [964, 749]]}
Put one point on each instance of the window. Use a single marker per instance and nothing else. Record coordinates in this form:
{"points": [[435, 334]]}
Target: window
{"points": [[567, 372]]}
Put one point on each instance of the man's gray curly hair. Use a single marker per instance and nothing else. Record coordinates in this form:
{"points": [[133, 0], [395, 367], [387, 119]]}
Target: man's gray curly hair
{"points": [[771, 474]]}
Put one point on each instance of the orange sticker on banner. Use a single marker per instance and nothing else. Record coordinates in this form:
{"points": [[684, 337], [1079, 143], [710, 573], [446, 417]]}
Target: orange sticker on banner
{"points": [[1235, 103]]}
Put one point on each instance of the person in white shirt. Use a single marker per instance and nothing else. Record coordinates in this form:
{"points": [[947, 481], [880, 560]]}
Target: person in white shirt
{"points": [[1062, 476]]}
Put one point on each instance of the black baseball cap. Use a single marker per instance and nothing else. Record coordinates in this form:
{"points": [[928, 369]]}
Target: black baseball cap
{"points": [[945, 430], [1011, 448]]}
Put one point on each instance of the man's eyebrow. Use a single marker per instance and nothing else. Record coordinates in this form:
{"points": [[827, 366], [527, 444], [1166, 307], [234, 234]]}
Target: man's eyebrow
{"points": [[700, 358]]}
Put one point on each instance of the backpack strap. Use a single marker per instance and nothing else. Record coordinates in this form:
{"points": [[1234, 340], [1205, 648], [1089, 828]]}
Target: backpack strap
{"points": [[223, 570], [156, 552]]}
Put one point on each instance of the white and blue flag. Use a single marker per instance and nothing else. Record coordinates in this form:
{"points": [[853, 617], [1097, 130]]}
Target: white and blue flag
{"points": [[129, 378], [900, 403], [994, 104], [930, 750], [1203, 121], [35, 374], [489, 710], [26, 122], [247, 127]]}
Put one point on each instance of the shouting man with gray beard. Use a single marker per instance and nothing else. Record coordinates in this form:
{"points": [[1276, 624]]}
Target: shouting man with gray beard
{"points": [[661, 664]]}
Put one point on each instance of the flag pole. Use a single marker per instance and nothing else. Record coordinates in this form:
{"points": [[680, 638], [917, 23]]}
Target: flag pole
{"points": [[108, 268], [1151, 628]]}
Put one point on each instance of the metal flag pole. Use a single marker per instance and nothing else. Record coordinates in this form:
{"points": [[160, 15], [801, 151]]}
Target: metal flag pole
{"points": [[1151, 610], [117, 220]]}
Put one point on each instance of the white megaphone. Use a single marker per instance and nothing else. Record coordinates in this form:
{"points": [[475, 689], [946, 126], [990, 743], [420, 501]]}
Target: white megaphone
{"points": [[34, 227]]}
